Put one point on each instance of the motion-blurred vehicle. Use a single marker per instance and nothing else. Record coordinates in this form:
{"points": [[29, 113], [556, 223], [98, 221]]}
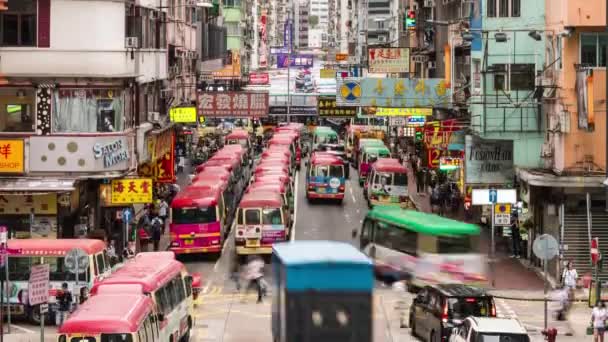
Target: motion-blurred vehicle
{"points": [[324, 290], [337, 150], [437, 310]]}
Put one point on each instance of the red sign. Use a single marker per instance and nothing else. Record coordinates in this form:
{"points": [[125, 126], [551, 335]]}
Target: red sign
{"points": [[434, 156], [258, 78], [233, 104], [595, 252], [438, 133]]}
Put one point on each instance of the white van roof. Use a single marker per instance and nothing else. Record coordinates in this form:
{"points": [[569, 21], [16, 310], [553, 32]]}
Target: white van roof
{"points": [[498, 325]]}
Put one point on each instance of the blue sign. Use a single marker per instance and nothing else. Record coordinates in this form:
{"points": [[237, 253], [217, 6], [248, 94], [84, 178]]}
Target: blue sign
{"points": [[396, 93], [126, 215], [493, 194]]}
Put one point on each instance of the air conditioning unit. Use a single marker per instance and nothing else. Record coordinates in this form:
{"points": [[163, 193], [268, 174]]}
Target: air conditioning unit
{"points": [[546, 151], [564, 121], [431, 65], [153, 116], [132, 42], [382, 39]]}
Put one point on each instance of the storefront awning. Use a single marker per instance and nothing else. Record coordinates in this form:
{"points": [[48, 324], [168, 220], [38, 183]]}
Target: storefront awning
{"points": [[36, 185], [545, 179]]}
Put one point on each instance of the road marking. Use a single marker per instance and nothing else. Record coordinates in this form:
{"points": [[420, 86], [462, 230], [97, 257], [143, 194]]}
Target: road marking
{"points": [[23, 329], [206, 288], [295, 207]]}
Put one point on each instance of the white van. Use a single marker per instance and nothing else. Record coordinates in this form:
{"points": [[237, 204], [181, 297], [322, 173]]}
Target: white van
{"points": [[490, 329]]}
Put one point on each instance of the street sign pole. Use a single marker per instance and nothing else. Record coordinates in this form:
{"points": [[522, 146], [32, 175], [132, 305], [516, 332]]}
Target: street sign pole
{"points": [[41, 322], [546, 287], [545, 247], [492, 247]]}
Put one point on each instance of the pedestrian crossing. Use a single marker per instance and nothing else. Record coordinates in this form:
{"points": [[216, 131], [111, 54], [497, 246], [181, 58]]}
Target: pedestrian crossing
{"points": [[503, 309]]}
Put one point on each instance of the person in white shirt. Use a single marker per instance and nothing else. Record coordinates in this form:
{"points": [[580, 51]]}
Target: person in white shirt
{"points": [[254, 274], [163, 207], [598, 319], [569, 278]]}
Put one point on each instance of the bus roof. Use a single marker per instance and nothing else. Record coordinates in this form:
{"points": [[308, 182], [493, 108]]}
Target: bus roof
{"points": [[208, 174], [109, 314], [267, 185], [323, 129], [389, 165], [325, 159], [149, 272], [238, 134], [203, 184], [272, 165], [371, 142], [56, 247], [196, 198], [270, 177], [420, 222], [376, 150], [333, 266], [217, 163], [261, 199], [355, 128], [276, 152]]}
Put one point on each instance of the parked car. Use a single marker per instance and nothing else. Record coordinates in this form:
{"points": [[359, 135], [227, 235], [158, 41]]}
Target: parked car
{"points": [[484, 329], [438, 309]]}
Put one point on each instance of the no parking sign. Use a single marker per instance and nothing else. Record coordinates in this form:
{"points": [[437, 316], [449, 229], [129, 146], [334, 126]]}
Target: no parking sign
{"points": [[502, 214]]}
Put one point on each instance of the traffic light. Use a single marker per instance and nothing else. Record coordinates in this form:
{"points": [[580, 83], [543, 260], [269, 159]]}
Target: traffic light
{"points": [[410, 19]]}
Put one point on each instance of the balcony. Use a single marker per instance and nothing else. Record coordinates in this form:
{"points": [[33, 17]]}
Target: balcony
{"points": [[149, 64], [579, 13]]}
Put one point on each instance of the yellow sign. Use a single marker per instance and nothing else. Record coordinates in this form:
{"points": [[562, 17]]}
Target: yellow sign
{"points": [[328, 73], [502, 208], [201, 119], [23, 204], [341, 57], [385, 111], [11, 156], [132, 190], [183, 114]]}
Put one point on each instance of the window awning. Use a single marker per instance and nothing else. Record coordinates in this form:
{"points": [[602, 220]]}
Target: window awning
{"points": [[36, 185], [544, 179]]}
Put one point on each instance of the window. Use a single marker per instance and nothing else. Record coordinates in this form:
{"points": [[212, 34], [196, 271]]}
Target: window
{"points": [[194, 215], [171, 295], [18, 24], [400, 179], [453, 244], [252, 216], [396, 238], [149, 330], [503, 10], [272, 217], [515, 8], [189, 286], [87, 110], [366, 233], [116, 338], [101, 265], [522, 76], [161, 301], [593, 49], [180, 289], [491, 8], [233, 29], [461, 308], [239, 217], [18, 118], [495, 337]]}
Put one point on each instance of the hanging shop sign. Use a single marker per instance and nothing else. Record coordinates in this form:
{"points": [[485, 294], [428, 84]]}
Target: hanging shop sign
{"points": [[162, 149], [259, 78], [415, 121], [341, 57], [132, 190], [393, 92], [434, 157], [327, 73], [232, 69], [328, 107], [183, 114], [293, 110], [294, 60], [45, 204], [384, 111], [449, 163], [437, 134], [80, 154], [388, 60], [11, 156], [488, 161], [233, 104], [397, 121]]}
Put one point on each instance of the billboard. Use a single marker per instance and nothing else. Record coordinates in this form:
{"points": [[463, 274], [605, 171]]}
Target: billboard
{"points": [[263, 48], [393, 92], [233, 104], [327, 73], [183, 114], [259, 78], [328, 107], [296, 60], [293, 110], [387, 60], [384, 111], [488, 161]]}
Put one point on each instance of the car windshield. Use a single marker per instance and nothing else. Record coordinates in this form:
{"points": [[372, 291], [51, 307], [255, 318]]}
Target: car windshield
{"points": [[490, 337], [194, 215], [461, 308]]}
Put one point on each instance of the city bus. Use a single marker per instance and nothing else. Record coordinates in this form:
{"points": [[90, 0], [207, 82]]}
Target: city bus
{"points": [[362, 144], [369, 155], [352, 137], [325, 178], [167, 283], [262, 219], [422, 248], [118, 316], [239, 137], [52, 252], [386, 184], [324, 135], [275, 186], [197, 222]]}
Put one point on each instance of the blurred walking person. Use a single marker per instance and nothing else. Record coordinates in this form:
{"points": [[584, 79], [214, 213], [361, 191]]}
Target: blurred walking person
{"points": [[157, 224], [64, 300], [254, 274], [598, 320]]}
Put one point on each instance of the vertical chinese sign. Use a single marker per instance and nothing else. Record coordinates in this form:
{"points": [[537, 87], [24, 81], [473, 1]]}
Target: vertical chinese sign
{"points": [[161, 149], [436, 139], [131, 190]]}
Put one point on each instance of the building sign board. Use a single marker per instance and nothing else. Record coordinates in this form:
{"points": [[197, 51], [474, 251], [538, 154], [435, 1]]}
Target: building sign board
{"points": [[293, 110], [295, 60], [131, 190], [38, 285], [392, 92], [183, 114], [327, 73], [415, 121], [341, 57], [385, 111], [80, 154], [328, 106], [259, 78], [233, 104], [42, 204], [488, 161], [11, 156], [389, 60]]}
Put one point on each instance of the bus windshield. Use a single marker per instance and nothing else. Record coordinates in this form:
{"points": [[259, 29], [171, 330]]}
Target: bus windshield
{"points": [[329, 171], [194, 215], [19, 269], [400, 179], [116, 338], [454, 244], [272, 216]]}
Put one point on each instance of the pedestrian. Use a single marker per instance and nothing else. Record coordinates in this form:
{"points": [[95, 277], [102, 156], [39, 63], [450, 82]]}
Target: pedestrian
{"points": [[181, 164], [129, 251], [515, 238], [64, 301], [569, 278], [157, 224], [419, 181], [235, 272], [111, 252], [255, 273], [163, 208], [598, 320]]}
